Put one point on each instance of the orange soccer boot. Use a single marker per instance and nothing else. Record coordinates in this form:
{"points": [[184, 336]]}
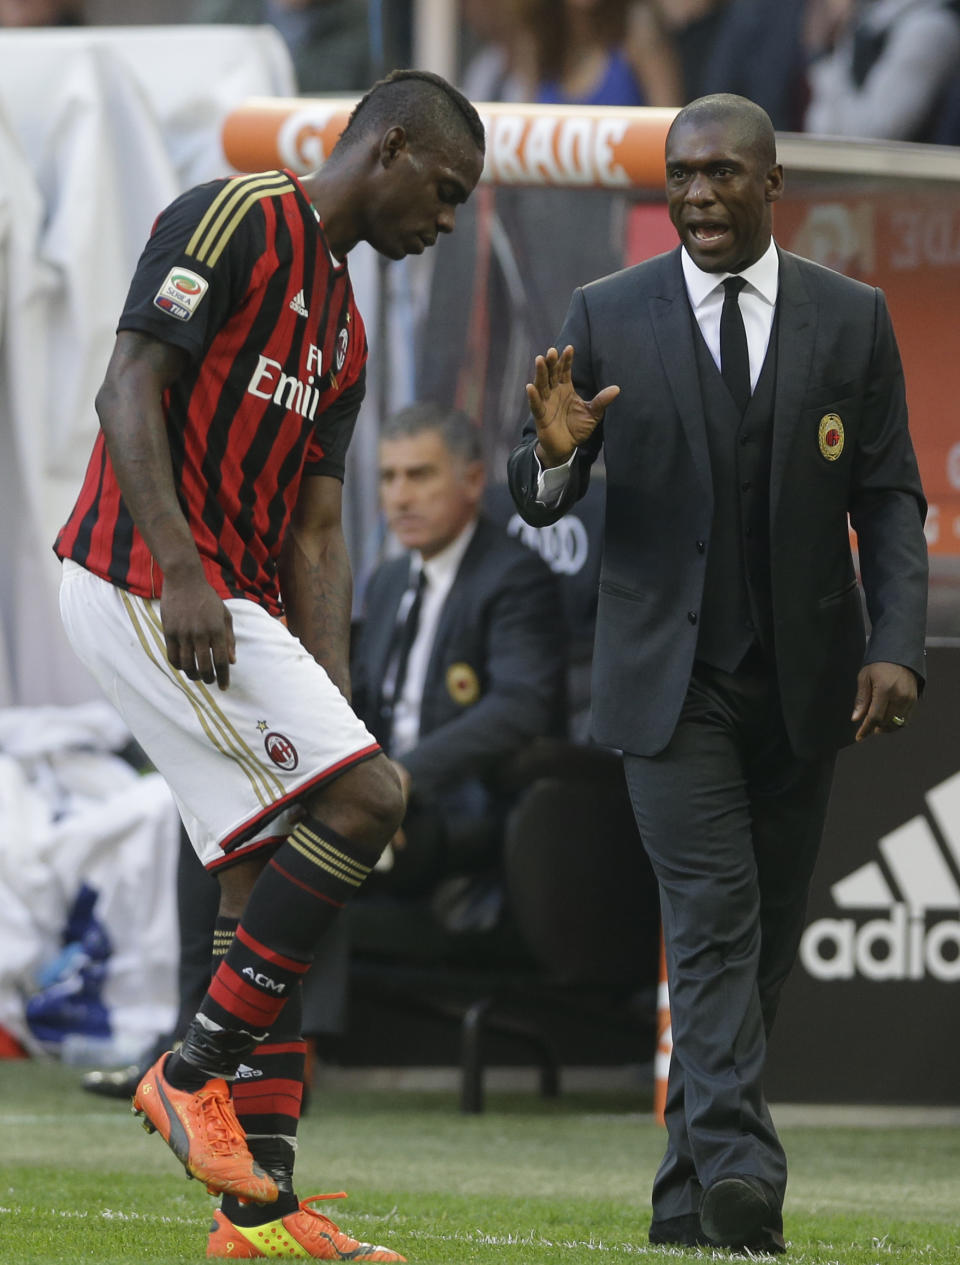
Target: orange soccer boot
{"points": [[202, 1130], [304, 1235]]}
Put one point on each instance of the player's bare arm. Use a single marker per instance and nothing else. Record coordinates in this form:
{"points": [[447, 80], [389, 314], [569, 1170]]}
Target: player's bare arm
{"points": [[197, 626], [563, 420], [886, 694], [315, 577]]}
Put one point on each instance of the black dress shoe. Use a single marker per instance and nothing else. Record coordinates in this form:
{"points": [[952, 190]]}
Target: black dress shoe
{"points": [[742, 1212], [683, 1231], [122, 1082], [118, 1082]]}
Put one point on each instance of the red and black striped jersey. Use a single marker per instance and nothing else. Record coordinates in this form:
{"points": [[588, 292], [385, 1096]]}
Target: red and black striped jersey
{"points": [[238, 273]]}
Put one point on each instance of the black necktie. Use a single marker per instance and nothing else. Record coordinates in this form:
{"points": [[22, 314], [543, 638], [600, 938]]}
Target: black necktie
{"points": [[404, 634], [734, 357]]}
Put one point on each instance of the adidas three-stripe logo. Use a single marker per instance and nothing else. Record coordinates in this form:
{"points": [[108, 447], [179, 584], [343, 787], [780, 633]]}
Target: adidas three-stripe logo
{"points": [[916, 875], [298, 304], [228, 208]]}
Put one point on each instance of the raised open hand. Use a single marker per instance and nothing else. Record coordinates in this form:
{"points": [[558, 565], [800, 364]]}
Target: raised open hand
{"points": [[562, 418]]}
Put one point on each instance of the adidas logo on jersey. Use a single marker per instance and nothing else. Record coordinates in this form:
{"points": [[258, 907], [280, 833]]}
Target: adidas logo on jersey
{"points": [[298, 304], [917, 877]]}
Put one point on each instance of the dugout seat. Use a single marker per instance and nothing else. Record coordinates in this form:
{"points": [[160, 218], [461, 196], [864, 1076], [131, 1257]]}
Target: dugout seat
{"points": [[579, 935], [569, 973]]}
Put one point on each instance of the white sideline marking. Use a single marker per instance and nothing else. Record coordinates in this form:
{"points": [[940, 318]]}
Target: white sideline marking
{"points": [[109, 1214], [531, 1239], [104, 1117]]}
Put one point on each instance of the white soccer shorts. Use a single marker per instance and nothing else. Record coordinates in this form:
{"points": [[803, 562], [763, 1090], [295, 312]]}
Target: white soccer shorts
{"points": [[237, 760]]}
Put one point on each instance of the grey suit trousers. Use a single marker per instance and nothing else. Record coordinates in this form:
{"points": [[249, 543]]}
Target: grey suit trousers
{"points": [[732, 821]]}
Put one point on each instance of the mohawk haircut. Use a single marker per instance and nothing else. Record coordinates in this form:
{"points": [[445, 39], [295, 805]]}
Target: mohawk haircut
{"points": [[422, 103]]}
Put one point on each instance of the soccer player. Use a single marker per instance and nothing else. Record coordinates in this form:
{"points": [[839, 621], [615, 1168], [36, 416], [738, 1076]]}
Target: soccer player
{"points": [[211, 507]]}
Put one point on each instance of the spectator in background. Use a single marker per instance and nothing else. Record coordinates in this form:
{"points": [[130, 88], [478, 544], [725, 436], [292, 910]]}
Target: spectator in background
{"points": [[499, 49], [881, 68], [41, 13], [601, 52], [693, 26], [759, 53], [946, 129], [495, 290], [329, 40], [459, 664]]}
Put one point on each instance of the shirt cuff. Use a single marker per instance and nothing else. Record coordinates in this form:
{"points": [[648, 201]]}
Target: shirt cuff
{"points": [[552, 482]]}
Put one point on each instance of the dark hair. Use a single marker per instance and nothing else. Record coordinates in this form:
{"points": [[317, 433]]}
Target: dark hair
{"points": [[460, 433], [423, 104], [752, 120], [548, 24]]}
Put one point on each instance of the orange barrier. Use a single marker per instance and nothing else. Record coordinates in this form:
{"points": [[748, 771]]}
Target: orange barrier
{"points": [[661, 1060], [583, 147]]}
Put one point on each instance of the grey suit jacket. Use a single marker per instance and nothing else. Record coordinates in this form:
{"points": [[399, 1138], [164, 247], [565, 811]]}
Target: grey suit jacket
{"points": [[836, 355], [496, 674]]}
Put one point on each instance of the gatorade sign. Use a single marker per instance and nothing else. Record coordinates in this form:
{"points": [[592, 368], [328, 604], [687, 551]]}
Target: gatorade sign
{"points": [[578, 146]]}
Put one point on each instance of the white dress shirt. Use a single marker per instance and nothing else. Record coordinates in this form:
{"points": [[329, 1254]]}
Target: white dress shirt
{"points": [[440, 571], [758, 301]]}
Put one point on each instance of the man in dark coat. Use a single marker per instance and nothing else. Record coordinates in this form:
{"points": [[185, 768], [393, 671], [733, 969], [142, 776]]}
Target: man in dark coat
{"points": [[748, 403], [460, 662]]}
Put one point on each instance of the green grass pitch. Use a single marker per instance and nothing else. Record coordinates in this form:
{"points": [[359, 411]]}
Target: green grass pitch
{"points": [[531, 1182]]}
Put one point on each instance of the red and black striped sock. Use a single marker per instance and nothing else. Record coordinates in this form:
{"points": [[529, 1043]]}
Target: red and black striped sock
{"points": [[251, 985], [267, 1095], [296, 897]]}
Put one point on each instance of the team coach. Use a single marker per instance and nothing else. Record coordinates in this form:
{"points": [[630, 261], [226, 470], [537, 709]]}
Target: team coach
{"points": [[747, 401]]}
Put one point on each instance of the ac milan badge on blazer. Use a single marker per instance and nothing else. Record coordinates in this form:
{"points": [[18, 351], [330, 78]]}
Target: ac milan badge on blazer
{"points": [[463, 684], [830, 436]]}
